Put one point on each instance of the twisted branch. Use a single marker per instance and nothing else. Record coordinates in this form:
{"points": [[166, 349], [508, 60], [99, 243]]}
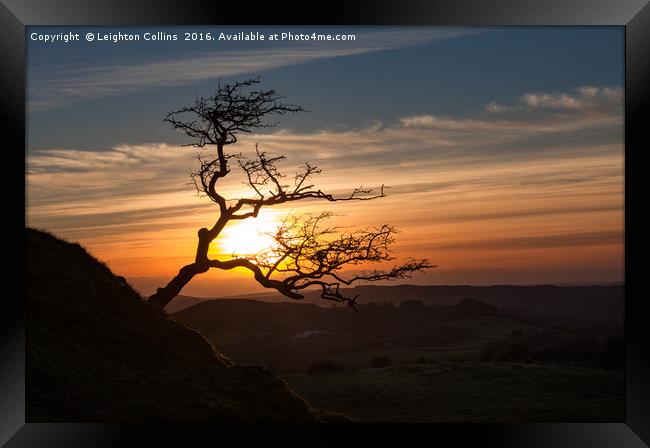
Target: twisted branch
{"points": [[305, 253]]}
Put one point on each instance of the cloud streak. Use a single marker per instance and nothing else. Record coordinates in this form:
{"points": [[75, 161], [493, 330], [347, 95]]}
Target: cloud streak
{"points": [[55, 86], [584, 99]]}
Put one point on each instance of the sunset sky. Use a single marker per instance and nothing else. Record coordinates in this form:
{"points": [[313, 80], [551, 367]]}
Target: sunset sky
{"points": [[502, 147]]}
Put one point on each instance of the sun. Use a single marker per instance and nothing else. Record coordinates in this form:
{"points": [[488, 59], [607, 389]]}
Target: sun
{"points": [[247, 237]]}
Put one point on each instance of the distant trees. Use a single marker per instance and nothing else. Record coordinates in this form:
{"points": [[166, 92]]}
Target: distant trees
{"points": [[534, 346], [307, 253], [380, 361], [326, 366]]}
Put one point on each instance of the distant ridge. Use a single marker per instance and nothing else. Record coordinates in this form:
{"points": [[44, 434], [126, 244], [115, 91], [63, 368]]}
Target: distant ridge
{"points": [[594, 302]]}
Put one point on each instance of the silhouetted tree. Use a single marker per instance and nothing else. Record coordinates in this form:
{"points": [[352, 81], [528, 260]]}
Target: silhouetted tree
{"points": [[305, 254]]}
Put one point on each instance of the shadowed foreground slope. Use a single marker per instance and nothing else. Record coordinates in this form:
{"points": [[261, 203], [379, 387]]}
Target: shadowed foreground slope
{"points": [[96, 352]]}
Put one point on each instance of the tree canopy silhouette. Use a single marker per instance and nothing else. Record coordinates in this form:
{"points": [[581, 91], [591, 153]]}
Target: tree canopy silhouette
{"points": [[305, 252]]}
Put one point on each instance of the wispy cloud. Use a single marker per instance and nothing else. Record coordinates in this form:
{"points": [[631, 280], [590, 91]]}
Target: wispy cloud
{"points": [[584, 99], [54, 86]]}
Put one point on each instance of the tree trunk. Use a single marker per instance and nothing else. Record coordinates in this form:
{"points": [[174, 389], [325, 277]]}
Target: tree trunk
{"points": [[165, 295]]}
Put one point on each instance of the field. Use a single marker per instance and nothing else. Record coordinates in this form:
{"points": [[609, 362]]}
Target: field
{"points": [[460, 391], [412, 362]]}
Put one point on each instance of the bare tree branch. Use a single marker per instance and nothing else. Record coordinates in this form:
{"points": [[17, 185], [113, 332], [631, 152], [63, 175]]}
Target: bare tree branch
{"points": [[305, 253]]}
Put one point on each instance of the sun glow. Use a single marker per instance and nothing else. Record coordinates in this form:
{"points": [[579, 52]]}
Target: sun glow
{"points": [[247, 237]]}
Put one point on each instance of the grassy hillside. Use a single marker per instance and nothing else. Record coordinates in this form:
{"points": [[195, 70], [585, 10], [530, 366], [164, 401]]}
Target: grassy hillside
{"points": [[97, 353]]}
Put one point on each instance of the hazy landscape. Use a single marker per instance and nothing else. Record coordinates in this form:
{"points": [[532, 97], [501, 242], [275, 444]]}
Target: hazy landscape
{"points": [[443, 357]]}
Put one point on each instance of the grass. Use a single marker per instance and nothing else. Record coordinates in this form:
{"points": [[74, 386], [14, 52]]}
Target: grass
{"points": [[468, 391]]}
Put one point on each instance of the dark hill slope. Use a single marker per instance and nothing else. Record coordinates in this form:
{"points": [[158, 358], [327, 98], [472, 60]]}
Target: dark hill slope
{"points": [[96, 352]]}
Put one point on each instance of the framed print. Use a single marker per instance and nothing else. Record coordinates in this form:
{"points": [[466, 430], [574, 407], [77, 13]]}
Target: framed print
{"points": [[380, 214]]}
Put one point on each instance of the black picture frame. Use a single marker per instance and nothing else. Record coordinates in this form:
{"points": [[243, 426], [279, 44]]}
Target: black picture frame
{"points": [[634, 15]]}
